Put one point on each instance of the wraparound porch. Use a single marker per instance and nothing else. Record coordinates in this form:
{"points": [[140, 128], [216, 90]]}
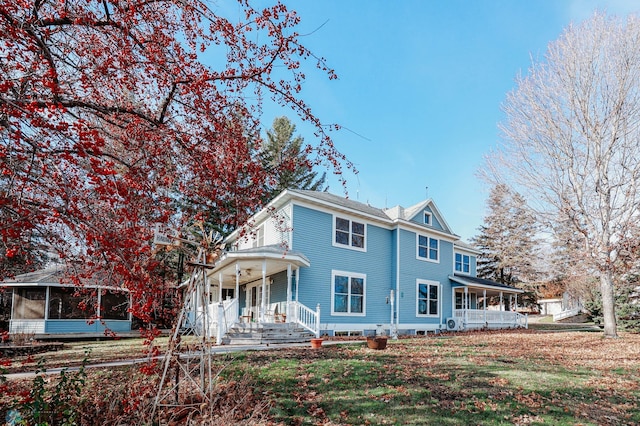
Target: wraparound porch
{"points": [[484, 318], [480, 303]]}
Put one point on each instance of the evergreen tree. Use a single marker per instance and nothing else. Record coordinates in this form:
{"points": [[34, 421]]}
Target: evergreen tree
{"points": [[285, 156], [507, 239]]}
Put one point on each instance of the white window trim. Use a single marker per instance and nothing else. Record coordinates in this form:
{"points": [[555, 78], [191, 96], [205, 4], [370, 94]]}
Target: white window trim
{"points": [[462, 263], [429, 215], [333, 291], [427, 259], [349, 246], [428, 282]]}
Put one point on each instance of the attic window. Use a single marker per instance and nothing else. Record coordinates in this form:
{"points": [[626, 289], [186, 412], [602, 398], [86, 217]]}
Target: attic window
{"points": [[427, 218]]}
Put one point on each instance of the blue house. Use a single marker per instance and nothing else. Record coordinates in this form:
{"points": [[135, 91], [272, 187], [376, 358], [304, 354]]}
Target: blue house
{"points": [[342, 267]]}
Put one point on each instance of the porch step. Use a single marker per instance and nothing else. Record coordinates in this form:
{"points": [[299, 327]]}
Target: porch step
{"points": [[263, 333]]}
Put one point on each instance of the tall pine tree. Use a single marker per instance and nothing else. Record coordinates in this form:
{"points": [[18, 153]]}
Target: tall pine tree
{"points": [[284, 154], [507, 239]]}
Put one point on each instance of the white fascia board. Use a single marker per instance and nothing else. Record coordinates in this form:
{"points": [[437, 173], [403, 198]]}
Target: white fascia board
{"points": [[231, 257], [330, 208], [87, 286], [441, 218], [414, 227], [466, 250], [278, 202]]}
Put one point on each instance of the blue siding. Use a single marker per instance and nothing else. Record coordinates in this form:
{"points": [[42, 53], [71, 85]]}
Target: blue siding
{"points": [[279, 291], [313, 236], [81, 326], [474, 270], [435, 223], [412, 269]]}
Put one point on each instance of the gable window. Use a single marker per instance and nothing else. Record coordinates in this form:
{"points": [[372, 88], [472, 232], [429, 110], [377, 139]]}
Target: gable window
{"points": [[428, 298], [427, 218], [463, 263], [428, 248], [347, 293], [349, 233]]}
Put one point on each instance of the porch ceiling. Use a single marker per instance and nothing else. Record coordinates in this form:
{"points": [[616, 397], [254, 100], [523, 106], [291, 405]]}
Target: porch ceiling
{"points": [[250, 263], [493, 288]]}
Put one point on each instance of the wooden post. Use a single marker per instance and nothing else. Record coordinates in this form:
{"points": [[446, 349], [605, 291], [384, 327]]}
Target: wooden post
{"points": [[465, 305], [288, 308], [484, 305], [237, 290], [220, 322], [318, 321], [263, 303]]}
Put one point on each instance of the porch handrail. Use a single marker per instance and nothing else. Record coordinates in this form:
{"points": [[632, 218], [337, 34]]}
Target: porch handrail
{"points": [[487, 317], [566, 314], [306, 317], [227, 317]]}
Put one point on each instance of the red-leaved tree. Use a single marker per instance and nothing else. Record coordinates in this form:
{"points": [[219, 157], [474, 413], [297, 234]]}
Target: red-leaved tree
{"points": [[115, 112]]}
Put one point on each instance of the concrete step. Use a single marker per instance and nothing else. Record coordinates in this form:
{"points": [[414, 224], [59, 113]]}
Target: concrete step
{"points": [[266, 333], [238, 341]]}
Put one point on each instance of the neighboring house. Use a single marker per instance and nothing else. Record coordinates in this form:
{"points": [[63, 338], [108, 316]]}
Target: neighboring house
{"points": [[342, 267], [39, 304]]}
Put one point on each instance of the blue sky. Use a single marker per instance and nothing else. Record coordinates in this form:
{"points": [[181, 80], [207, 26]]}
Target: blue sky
{"points": [[420, 87]]}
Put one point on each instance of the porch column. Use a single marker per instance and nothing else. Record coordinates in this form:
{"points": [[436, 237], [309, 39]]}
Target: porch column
{"points": [[219, 312], [295, 313], [47, 297], [484, 305], [501, 309], [237, 293], [263, 304], [466, 304], [287, 309]]}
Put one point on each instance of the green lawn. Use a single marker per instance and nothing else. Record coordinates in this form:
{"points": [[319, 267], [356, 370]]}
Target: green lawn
{"points": [[485, 378], [478, 379]]}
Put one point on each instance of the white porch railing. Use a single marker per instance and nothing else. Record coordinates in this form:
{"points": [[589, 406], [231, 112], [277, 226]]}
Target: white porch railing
{"points": [[566, 314], [304, 316], [473, 318], [221, 317]]}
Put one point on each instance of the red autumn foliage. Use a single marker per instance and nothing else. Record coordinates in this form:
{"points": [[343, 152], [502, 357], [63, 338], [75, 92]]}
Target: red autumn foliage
{"points": [[111, 119]]}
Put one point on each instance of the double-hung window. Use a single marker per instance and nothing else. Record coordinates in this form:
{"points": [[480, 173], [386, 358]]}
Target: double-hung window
{"points": [[463, 263], [348, 293], [428, 248], [428, 297], [349, 233]]}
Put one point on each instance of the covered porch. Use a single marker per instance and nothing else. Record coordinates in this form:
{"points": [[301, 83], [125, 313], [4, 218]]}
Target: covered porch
{"points": [[480, 303], [258, 285]]}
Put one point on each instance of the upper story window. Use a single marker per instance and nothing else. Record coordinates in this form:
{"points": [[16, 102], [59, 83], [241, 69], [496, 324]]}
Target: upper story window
{"points": [[348, 293], [428, 248], [259, 237], [427, 218], [428, 297], [463, 263], [349, 233]]}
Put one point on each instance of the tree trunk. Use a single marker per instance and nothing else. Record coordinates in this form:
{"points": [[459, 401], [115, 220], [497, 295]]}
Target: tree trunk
{"points": [[608, 305]]}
